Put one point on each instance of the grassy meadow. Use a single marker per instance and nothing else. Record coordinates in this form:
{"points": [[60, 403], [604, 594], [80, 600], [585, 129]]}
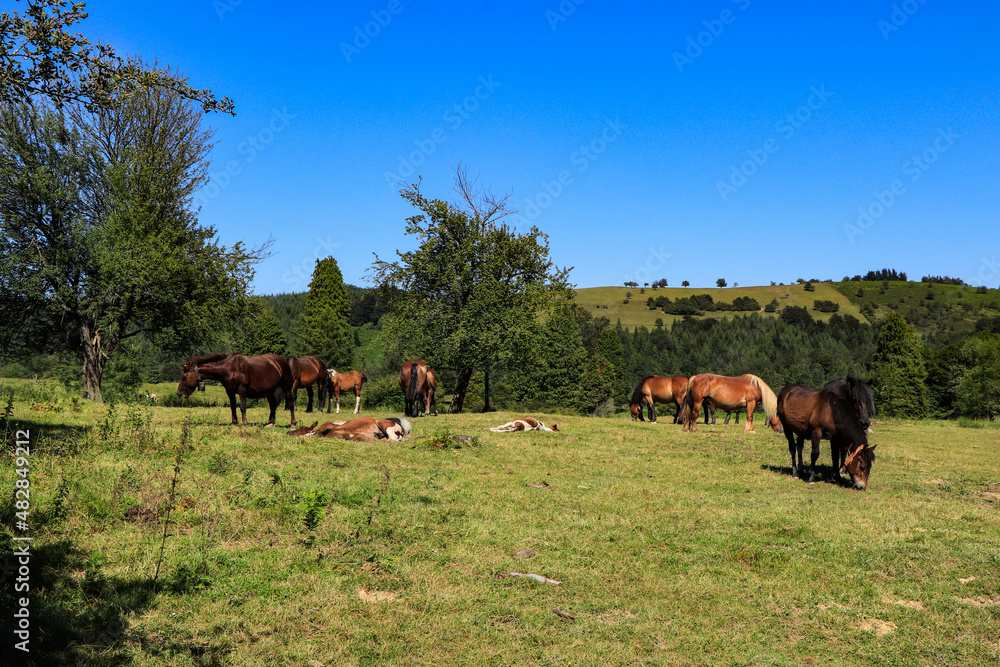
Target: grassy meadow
{"points": [[610, 301], [670, 548]]}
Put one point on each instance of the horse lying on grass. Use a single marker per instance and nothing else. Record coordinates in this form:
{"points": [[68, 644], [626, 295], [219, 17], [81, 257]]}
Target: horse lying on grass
{"points": [[366, 429], [523, 424]]}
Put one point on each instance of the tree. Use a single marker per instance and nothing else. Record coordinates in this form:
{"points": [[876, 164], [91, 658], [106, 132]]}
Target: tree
{"points": [[721, 282], [897, 373], [685, 284], [39, 56], [473, 287], [99, 244], [258, 330], [324, 328]]}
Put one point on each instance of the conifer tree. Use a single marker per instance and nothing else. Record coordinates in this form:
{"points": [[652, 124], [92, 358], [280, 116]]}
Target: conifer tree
{"points": [[258, 331], [898, 376], [324, 329]]}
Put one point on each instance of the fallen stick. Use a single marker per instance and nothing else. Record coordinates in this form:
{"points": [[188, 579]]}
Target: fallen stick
{"points": [[536, 577]]}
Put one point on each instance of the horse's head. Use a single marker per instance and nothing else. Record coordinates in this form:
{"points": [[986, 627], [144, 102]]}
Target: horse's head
{"points": [[190, 380], [774, 423], [636, 413], [859, 464]]}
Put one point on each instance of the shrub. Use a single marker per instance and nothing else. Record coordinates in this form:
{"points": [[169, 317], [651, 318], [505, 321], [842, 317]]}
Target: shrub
{"points": [[384, 392]]}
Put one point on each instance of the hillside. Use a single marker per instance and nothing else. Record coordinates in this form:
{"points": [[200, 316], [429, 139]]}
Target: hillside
{"points": [[610, 301]]}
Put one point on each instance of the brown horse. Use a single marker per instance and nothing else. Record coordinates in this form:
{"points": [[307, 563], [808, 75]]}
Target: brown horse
{"points": [[349, 381], [263, 376], [307, 371], [418, 382], [729, 393], [825, 415], [657, 389]]}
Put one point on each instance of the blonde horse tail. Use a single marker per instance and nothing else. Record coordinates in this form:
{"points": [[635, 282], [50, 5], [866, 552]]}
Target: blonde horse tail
{"points": [[687, 405], [768, 398]]}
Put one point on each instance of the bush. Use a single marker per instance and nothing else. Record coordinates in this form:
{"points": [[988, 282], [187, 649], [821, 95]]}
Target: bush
{"points": [[384, 392], [824, 306]]}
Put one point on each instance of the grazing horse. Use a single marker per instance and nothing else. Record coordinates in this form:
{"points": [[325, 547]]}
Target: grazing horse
{"points": [[349, 381], [262, 376], [418, 382], [523, 424], [307, 371], [657, 389], [858, 393], [729, 393], [825, 415]]}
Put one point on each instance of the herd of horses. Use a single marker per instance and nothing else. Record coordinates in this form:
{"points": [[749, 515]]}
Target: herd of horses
{"points": [[840, 412]]}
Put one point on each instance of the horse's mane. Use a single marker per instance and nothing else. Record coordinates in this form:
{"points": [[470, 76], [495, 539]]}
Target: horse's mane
{"points": [[207, 359], [768, 398], [845, 417], [637, 394], [857, 391]]}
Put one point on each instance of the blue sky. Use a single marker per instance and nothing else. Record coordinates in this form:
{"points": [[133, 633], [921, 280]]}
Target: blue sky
{"points": [[731, 139]]}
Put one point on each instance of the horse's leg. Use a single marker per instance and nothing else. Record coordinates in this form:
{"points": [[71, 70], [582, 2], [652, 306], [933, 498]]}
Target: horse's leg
{"points": [[232, 405], [839, 454], [652, 410], [791, 450], [357, 401], [737, 418], [271, 421], [728, 415], [272, 403], [336, 394], [243, 407], [695, 413], [309, 392], [751, 406], [817, 434]]}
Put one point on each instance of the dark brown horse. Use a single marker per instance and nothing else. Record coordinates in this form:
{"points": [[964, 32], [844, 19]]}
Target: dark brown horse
{"points": [[729, 393], [825, 415], [418, 382], [657, 389], [349, 381], [306, 372], [263, 376]]}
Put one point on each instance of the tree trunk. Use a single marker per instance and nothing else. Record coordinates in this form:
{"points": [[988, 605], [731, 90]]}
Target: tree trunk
{"points": [[93, 363], [486, 391], [461, 386]]}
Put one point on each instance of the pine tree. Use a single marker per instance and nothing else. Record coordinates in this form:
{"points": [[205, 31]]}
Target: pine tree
{"points": [[324, 329], [897, 374], [258, 330]]}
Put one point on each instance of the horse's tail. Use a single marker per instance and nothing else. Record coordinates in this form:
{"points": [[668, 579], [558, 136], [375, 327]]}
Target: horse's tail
{"points": [[637, 394], [279, 396], [687, 406], [768, 399], [411, 388]]}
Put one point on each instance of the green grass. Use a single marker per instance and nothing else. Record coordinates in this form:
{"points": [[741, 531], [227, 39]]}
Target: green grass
{"points": [[672, 548], [637, 313]]}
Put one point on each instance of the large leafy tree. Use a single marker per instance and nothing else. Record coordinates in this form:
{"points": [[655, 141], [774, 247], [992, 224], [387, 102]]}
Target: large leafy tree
{"points": [[898, 375], [257, 329], [472, 289], [98, 242], [324, 328], [40, 55]]}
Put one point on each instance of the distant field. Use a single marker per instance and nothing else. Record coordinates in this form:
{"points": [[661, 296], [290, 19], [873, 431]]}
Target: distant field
{"points": [[609, 301]]}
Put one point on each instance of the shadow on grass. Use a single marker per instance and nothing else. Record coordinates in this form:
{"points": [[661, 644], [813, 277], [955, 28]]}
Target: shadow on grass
{"points": [[47, 438], [824, 474]]}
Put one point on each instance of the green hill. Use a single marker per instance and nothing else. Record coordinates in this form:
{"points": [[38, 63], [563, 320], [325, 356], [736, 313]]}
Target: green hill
{"points": [[610, 301]]}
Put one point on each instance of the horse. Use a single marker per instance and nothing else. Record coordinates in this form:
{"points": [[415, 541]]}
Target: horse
{"points": [[858, 393], [307, 371], [825, 415], [524, 424], [729, 393], [365, 429], [349, 381], [657, 389], [418, 382], [263, 376]]}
